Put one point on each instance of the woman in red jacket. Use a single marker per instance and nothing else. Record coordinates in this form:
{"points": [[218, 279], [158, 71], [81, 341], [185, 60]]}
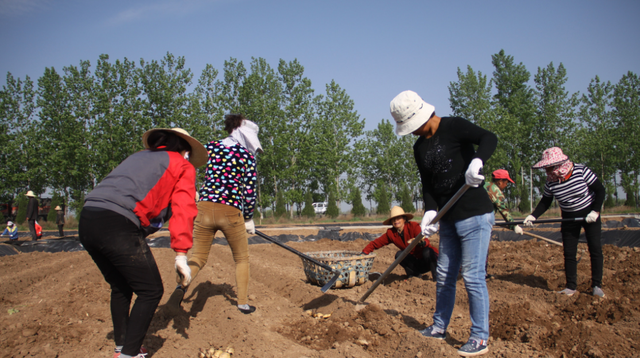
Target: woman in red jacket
{"points": [[134, 200], [423, 257]]}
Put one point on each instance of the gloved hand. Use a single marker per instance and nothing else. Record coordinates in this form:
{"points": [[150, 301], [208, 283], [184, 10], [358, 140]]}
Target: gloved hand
{"points": [[427, 228], [592, 217], [518, 230], [472, 176], [183, 270], [528, 221], [251, 228]]}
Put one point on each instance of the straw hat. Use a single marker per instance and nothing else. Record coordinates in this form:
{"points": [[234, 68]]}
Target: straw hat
{"points": [[410, 112], [198, 156], [58, 208], [551, 157], [395, 212], [31, 194]]}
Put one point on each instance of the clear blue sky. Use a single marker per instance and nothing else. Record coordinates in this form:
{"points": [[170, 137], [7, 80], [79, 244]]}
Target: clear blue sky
{"points": [[372, 49]]}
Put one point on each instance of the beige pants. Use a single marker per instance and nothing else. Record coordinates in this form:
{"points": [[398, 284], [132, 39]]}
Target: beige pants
{"points": [[211, 218]]}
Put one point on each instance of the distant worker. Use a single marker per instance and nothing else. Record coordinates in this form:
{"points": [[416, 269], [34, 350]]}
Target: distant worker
{"points": [[499, 181], [11, 230], [32, 214], [227, 201], [580, 195], [60, 220], [423, 258]]}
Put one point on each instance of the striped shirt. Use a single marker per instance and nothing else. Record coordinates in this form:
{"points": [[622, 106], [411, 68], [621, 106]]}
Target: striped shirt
{"points": [[573, 194]]}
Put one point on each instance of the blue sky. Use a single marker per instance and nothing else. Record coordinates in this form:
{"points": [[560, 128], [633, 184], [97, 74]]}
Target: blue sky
{"points": [[372, 49]]}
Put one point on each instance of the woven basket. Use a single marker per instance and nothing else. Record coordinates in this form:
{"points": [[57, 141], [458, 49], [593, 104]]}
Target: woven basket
{"points": [[353, 267]]}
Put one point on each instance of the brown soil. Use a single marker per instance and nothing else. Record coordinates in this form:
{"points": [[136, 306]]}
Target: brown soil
{"points": [[57, 305]]}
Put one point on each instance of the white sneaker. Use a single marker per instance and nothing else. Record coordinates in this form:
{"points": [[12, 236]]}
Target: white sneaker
{"points": [[567, 291], [597, 291]]}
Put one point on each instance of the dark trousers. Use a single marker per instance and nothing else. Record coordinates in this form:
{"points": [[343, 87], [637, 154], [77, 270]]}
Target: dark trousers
{"points": [[570, 233], [119, 249], [414, 266], [60, 231], [32, 230]]}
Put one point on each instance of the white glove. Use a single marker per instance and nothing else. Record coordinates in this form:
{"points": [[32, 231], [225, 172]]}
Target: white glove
{"points": [[518, 230], [472, 176], [427, 229], [528, 220], [592, 217], [251, 228], [183, 270]]}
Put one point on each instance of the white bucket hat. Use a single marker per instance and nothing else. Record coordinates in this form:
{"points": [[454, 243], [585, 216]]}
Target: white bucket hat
{"points": [[198, 156], [410, 112], [31, 194]]}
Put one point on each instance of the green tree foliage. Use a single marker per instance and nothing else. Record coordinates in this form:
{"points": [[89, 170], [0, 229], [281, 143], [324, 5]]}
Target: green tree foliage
{"points": [[387, 158], [71, 128], [357, 209], [406, 201], [597, 149], [55, 201], [335, 132], [308, 210], [626, 110], [332, 208], [382, 198], [21, 216], [281, 210]]}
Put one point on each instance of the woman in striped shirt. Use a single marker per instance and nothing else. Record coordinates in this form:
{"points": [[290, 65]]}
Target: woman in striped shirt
{"points": [[580, 195]]}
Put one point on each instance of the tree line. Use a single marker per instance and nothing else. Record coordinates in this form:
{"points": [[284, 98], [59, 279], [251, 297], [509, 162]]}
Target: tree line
{"points": [[69, 129]]}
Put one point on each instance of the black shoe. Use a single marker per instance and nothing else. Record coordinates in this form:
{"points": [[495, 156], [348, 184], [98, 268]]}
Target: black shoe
{"points": [[175, 301], [250, 310]]}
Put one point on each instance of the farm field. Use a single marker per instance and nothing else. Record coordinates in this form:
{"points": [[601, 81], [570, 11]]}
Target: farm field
{"points": [[57, 305]]}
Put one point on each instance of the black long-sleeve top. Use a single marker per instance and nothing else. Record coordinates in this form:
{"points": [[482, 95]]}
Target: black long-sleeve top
{"points": [[443, 160], [32, 209]]}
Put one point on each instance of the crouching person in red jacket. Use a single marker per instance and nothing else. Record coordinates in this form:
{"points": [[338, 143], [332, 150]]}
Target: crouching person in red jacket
{"points": [[134, 200], [423, 257]]}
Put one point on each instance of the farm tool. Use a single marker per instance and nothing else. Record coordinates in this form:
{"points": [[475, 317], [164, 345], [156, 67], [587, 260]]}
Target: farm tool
{"points": [[324, 288], [549, 241], [507, 223], [416, 241]]}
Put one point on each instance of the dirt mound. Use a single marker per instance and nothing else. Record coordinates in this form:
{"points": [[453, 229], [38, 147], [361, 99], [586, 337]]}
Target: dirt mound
{"points": [[57, 305]]}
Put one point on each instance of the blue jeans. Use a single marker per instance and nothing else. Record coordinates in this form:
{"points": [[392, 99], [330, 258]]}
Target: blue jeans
{"points": [[465, 244]]}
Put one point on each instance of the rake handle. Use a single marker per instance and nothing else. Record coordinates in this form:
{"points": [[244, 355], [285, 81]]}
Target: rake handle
{"points": [[306, 257], [416, 241]]}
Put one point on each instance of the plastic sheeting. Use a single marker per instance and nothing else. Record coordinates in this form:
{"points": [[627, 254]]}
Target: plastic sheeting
{"points": [[619, 238]]}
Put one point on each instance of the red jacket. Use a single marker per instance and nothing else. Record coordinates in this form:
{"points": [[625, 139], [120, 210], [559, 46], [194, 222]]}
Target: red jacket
{"points": [[149, 187], [411, 230]]}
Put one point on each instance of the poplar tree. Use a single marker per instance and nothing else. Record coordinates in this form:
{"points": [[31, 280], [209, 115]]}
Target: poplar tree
{"points": [[308, 210], [626, 111], [382, 198], [356, 201], [406, 201], [280, 206], [332, 208]]}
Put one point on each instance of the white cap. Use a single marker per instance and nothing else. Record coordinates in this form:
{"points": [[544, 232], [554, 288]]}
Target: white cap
{"points": [[410, 112]]}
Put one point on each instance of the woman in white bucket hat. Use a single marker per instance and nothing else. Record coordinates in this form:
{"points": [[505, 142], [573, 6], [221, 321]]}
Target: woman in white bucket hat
{"points": [[134, 200], [447, 160]]}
